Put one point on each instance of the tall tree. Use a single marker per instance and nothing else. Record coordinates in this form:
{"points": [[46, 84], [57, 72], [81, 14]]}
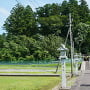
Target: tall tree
{"points": [[67, 7], [84, 11], [81, 32], [73, 9], [48, 10], [21, 21], [51, 24], [64, 8]]}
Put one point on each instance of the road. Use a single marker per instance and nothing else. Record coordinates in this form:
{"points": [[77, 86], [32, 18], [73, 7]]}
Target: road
{"points": [[83, 82]]}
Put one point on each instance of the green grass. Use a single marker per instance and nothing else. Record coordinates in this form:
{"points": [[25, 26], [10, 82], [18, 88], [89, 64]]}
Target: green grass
{"points": [[33, 72], [31, 83], [36, 66], [28, 66], [44, 65], [28, 83], [40, 67]]}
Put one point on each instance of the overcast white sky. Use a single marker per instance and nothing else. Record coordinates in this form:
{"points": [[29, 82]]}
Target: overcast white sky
{"points": [[7, 5]]}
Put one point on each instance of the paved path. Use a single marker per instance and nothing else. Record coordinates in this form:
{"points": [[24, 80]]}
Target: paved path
{"points": [[34, 75], [83, 82], [25, 70]]}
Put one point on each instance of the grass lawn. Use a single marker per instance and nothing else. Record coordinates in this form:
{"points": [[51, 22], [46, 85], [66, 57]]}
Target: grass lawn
{"points": [[28, 83], [43, 67], [31, 83], [34, 66], [25, 67]]}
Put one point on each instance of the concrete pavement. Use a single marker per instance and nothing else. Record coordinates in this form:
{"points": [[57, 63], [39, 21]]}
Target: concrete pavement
{"points": [[83, 82]]}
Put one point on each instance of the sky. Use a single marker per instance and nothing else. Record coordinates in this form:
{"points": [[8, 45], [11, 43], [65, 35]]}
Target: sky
{"points": [[7, 5]]}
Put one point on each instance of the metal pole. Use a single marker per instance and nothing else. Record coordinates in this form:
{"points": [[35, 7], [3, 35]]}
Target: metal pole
{"points": [[71, 41]]}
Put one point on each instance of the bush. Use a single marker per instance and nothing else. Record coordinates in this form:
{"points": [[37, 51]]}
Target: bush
{"points": [[31, 57]]}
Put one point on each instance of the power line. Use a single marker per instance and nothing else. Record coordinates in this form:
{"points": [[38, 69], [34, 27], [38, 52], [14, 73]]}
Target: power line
{"points": [[32, 4], [17, 1], [37, 3]]}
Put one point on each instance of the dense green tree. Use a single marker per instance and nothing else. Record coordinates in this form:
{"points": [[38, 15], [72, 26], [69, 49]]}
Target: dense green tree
{"points": [[64, 8], [85, 48], [81, 32], [21, 21], [84, 11], [2, 40], [51, 25], [48, 10], [51, 43], [67, 7], [34, 36]]}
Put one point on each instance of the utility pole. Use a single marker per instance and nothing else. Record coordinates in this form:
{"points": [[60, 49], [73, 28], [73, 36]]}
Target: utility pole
{"points": [[71, 41]]}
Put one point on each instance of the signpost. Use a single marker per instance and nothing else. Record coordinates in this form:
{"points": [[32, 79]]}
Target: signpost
{"points": [[63, 57]]}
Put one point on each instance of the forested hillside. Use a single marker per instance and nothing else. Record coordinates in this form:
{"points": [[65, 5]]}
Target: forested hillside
{"points": [[36, 35]]}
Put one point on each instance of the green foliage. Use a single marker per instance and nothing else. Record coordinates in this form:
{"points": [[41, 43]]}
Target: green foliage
{"points": [[64, 8], [81, 32], [21, 21], [31, 57], [23, 48], [51, 24], [48, 10], [84, 11], [34, 36], [51, 43]]}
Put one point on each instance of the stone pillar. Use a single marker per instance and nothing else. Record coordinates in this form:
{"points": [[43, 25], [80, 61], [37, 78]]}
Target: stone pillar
{"points": [[63, 74]]}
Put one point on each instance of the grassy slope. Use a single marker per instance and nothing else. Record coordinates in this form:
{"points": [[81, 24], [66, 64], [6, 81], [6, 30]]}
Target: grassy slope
{"points": [[28, 83]]}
